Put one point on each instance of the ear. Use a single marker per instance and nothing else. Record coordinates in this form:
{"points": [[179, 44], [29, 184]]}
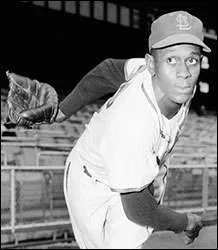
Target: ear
{"points": [[150, 64]]}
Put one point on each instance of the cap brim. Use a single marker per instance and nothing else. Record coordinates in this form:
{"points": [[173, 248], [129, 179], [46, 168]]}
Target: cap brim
{"points": [[181, 38]]}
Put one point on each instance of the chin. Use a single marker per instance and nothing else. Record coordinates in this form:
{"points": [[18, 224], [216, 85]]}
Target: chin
{"points": [[182, 99]]}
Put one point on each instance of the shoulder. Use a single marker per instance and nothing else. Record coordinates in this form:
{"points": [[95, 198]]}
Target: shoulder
{"points": [[132, 66]]}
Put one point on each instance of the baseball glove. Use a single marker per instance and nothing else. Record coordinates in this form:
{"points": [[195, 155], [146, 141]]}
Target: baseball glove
{"points": [[30, 102]]}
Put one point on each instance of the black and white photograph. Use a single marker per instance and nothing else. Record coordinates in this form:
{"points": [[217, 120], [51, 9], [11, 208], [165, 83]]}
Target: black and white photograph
{"points": [[108, 124]]}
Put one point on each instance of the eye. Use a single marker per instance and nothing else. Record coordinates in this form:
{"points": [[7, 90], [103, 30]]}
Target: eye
{"points": [[192, 61], [171, 60]]}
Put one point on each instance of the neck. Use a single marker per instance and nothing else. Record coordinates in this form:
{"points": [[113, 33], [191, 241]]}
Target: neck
{"points": [[167, 107]]}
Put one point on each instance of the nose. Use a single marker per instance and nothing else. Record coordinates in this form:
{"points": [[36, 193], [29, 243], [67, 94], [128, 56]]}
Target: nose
{"points": [[183, 71]]}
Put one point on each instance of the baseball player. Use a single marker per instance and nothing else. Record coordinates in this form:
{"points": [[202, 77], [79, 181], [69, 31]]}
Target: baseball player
{"points": [[115, 175], [111, 170]]}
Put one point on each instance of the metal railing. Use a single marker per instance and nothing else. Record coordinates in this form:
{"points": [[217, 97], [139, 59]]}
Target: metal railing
{"points": [[13, 227], [16, 224]]}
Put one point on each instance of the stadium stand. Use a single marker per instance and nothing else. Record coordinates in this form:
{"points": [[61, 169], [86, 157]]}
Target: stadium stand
{"points": [[39, 191]]}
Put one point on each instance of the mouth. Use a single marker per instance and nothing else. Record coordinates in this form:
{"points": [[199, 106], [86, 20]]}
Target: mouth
{"points": [[186, 89], [185, 85]]}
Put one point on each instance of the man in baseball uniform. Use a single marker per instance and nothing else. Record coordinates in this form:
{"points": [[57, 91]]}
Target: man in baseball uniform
{"points": [[115, 175], [111, 170]]}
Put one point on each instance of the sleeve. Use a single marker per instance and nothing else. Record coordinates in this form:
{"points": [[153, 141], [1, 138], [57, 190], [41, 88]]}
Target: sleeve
{"points": [[143, 209], [128, 156], [133, 66], [104, 79]]}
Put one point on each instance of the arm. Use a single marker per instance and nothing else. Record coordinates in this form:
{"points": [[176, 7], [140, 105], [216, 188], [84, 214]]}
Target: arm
{"points": [[142, 208], [104, 79]]}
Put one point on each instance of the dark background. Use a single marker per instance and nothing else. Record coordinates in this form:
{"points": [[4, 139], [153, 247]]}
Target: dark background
{"points": [[59, 48]]}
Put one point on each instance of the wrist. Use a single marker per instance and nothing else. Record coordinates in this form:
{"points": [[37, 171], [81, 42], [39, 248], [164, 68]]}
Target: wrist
{"points": [[60, 116], [190, 221]]}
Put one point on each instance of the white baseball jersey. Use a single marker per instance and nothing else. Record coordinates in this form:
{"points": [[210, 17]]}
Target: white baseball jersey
{"points": [[123, 148]]}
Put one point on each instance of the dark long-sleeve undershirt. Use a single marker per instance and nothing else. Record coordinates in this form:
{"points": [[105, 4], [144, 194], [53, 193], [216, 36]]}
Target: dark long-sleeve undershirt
{"points": [[104, 79], [142, 208]]}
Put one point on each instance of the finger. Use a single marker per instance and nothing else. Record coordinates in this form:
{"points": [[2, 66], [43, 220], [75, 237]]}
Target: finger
{"points": [[194, 232], [19, 81], [190, 236], [188, 240]]}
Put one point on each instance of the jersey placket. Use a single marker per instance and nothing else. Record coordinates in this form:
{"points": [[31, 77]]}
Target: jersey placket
{"points": [[161, 150]]}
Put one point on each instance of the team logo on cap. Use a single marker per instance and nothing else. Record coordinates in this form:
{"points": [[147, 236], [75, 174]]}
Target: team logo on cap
{"points": [[182, 22]]}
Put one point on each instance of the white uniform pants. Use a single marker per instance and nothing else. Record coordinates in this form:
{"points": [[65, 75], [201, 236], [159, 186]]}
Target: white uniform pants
{"points": [[96, 213]]}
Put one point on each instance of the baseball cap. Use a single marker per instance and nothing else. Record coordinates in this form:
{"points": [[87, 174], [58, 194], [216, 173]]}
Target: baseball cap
{"points": [[176, 27]]}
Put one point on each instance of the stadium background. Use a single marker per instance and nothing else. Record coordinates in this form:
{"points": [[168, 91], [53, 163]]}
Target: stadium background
{"points": [[58, 42]]}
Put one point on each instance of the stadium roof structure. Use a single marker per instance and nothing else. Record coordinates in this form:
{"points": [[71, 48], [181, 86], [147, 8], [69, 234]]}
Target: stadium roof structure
{"points": [[205, 10]]}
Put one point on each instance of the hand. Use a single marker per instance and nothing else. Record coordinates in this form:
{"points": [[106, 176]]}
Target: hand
{"points": [[193, 228]]}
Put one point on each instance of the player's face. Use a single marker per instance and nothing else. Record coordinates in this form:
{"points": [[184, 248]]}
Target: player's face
{"points": [[177, 70]]}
